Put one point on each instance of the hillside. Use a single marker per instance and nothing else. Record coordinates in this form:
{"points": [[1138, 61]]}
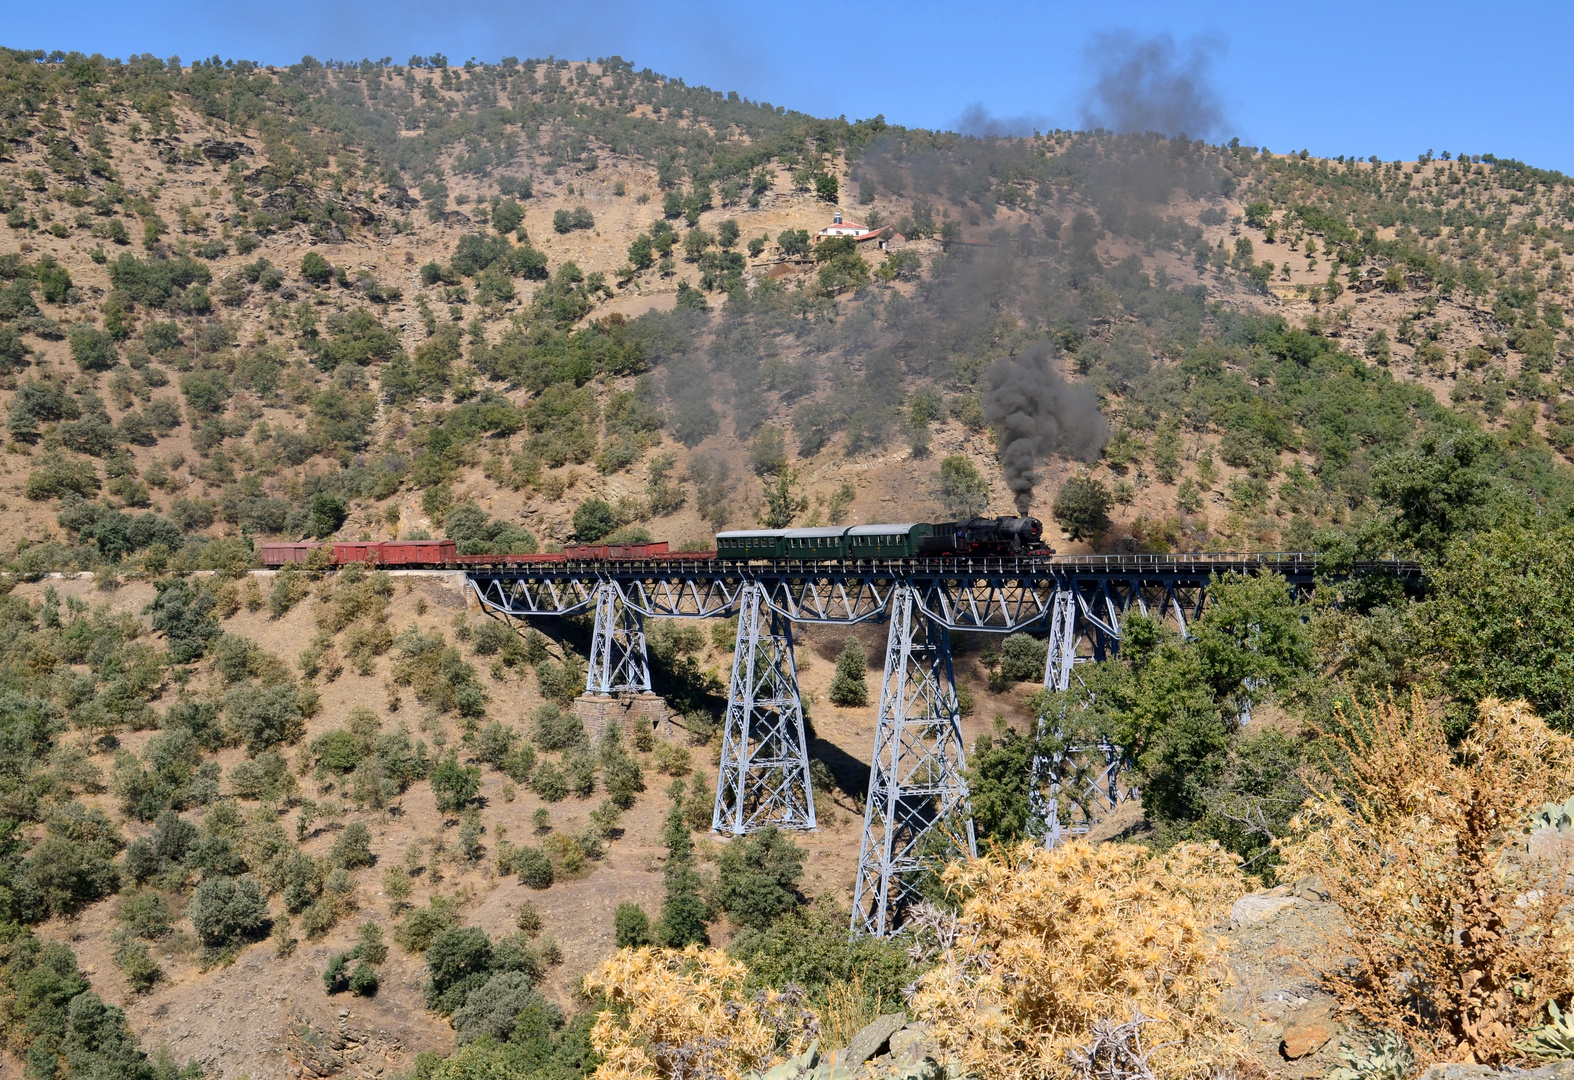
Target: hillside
{"points": [[525, 303]]}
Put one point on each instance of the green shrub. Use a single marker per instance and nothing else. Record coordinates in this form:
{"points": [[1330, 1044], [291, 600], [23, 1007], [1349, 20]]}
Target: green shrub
{"points": [[1082, 507], [506, 1006], [549, 782], [92, 348], [457, 962], [73, 865], [227, 912], [138, 966], [335, 977], [964, 493], [146, 915], [352, 848], [454, 785], [757, 877], [532, 867], [848, 688], [528, 918], [631, 926], [325, 514], [363, 980], [556, 729], [594, 519], [315, 268], [421, 925], [62, 477], [495, 742]]}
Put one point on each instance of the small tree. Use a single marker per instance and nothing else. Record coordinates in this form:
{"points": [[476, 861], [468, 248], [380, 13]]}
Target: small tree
{"points": [[454, 785], [757, 878], [594, 519], [641, 257], [782, 502], [315, 268], [964, 493], [353, 847], [827, 187], [458, 960], [682, 907], [226, 912], [1082, 507], [848, 688], [92, 348], [506, 216], [631, 926], [794, 242], [327, 514]]}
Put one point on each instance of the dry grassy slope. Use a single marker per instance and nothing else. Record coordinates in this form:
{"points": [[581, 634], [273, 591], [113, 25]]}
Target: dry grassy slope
{"points": [[885, 483], [236, 1018], [246, 1018]]}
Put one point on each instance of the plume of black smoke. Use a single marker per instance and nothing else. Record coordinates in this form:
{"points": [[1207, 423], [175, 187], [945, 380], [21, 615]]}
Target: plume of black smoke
{"points": [[1151, 84], [1038, 414], [978, 122]]}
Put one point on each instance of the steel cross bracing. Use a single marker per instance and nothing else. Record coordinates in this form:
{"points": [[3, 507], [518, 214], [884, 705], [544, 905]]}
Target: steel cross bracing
{"points": [[918, 802], [1079, 600], [1001, 595], [618, 661], [764, 756]]}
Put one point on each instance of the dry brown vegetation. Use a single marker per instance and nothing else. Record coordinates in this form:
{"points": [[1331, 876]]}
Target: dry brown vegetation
{"points": [[685, 1012], [1456, 939], [1049, 944]]}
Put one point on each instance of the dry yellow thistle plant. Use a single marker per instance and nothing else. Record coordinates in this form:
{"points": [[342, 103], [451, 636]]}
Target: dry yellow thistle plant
{"points": [[684, 1012], [1456, 939], [1050, 943]]}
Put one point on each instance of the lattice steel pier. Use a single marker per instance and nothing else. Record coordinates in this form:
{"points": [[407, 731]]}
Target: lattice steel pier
{"points": [[917, 788], [764, 776]]}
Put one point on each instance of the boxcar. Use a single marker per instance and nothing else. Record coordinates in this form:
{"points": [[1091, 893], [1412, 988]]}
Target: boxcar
{"points": [[413, 552], [284, 554], [598, 552]]}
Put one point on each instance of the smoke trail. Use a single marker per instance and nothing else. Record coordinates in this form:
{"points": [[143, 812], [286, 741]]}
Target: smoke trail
{"points": [[1149, 84], [1038, 414], [978, 122]]}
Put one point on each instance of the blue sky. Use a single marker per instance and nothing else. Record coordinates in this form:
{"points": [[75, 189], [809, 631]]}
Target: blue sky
{"points": [[1391, 79]]}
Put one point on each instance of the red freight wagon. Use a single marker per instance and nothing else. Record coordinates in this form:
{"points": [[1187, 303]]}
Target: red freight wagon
{"points": [[417, 552], [362, 551], [284, 554], [599, 552]]}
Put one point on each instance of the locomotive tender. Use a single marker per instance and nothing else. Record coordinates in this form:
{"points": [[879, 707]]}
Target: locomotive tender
{"points": [[979, 536]]}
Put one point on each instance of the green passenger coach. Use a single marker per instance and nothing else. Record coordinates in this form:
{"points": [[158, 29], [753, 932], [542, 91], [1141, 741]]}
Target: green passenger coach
{"points": [[912, 540]]}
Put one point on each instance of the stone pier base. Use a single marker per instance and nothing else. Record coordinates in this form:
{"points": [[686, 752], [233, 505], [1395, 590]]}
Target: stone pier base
{"points": [[596, 711]]}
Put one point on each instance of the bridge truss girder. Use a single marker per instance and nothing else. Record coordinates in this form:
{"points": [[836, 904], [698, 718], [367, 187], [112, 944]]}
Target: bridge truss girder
{"points": [[917, 760]]}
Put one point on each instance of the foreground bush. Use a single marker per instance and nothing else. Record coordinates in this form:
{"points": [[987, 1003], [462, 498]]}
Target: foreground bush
{"points": [[1456, 941], [686, 1011], [1050, 943]]}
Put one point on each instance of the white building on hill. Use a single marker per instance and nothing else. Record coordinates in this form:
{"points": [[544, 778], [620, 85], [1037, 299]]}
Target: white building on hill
{"points": [[838, 227]]}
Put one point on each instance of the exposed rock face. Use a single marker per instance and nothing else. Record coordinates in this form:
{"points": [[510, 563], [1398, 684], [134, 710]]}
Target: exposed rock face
{"points": [[1257, 908], [1305, 1038], [219, 150], [872, 1039]]}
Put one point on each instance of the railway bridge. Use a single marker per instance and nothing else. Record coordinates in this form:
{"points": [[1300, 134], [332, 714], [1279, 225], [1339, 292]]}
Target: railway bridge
{"points": [[917, 787]]}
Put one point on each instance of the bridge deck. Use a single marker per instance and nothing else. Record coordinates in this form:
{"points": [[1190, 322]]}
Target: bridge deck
{"points": [[1299, 567]]}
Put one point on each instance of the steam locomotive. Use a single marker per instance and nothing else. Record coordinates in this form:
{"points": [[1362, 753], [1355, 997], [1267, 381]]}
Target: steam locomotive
{"points": [[975, 537]]}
